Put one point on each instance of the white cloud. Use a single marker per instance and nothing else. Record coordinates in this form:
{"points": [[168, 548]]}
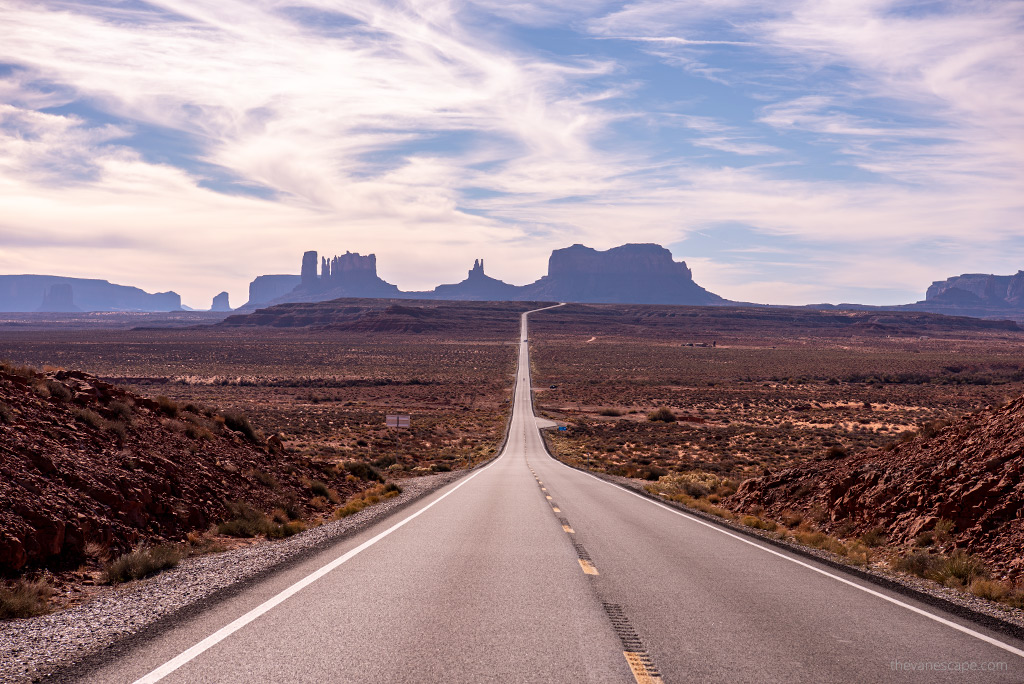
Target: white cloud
{"points": [[422, 132]]}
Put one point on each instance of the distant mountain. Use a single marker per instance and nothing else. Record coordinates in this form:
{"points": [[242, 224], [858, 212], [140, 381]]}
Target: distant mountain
{"points": [[630, 274], [976, 295], [23, 293]]}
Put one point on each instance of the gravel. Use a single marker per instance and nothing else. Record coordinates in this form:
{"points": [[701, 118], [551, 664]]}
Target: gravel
{"points": [[37, 649]]}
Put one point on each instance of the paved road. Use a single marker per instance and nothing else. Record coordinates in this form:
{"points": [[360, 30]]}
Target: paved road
{"points": [[529, 571]]}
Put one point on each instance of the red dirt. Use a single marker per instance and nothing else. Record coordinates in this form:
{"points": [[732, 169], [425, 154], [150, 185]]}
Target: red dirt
{"points": [[970, 472]]}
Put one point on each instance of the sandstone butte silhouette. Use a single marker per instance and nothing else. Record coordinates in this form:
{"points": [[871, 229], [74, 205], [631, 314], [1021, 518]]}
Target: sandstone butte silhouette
{"points": [[628, 274], [633, 273]]}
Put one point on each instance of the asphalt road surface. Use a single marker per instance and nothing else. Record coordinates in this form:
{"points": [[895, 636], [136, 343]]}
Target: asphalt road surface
{"points": [[529, 571]]}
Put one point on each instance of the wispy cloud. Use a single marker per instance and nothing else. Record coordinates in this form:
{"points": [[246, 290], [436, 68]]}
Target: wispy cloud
{"points": [[229, 136]]}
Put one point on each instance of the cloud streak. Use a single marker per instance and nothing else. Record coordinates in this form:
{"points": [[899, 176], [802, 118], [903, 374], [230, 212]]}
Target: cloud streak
{"points": [[229, 136]]}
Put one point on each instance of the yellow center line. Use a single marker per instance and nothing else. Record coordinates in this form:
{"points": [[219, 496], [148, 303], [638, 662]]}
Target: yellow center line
{"points": [[543, 489], [588, 567], [556, 509], [548, 497], [568, 529], [639, 668]]}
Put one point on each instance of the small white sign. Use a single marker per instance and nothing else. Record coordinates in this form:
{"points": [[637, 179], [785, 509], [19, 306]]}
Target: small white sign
{"points": [[398, 420]]}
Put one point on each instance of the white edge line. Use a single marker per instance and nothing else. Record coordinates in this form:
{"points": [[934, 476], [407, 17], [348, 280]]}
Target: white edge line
{"points": [[915, 609], [229, 629], [232, 627]]}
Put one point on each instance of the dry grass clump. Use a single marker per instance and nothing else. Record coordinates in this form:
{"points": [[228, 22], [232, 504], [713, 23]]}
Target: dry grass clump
{"points": [[662, 415], [959, 569], [373, 495], [247, 521], [6, 413], [167, 406], [24, 598], [141, 562], [759, 523]]}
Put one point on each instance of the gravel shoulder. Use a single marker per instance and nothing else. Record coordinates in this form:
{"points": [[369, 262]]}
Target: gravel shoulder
{"points": [[46, 648]]}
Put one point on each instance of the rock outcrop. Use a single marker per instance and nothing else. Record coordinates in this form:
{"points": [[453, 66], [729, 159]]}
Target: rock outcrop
{"points": [[348, 275], [633, 273], [979, 289], [477, 286], [266, 288], [970, 472], [59, 297], [23, 293], [84, 461], [220, 303]]}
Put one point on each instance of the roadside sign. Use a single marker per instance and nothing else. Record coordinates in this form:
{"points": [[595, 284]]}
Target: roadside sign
{"points": [[398, 420]]}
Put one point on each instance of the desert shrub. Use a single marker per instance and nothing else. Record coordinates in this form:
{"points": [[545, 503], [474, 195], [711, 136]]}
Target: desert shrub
{"points": [[611, 412], [662, 415], [926, 538], [958, 569], [813, 538], [6, 413], [384, 461], [319, 488], [791, 518], [118, 427], [90, 418], [441, 468], [836, 451], [58, 390], [20, 370], [266, 479], [358, 502], [758, 523], [873, 538], [121, 409], [993, 590], [141, 562], [245, 521], [931, 428], [239, 422], [167, 406], [193, 431], [40, 389], [24, 598], [364, 471], [917, 563], [943, 529]]}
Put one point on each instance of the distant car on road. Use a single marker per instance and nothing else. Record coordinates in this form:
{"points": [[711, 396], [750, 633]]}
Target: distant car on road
{"points": [[553, 387]]}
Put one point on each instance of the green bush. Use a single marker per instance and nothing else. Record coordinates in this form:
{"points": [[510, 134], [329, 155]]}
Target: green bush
{"points": [[245, 521], [141, 562]]}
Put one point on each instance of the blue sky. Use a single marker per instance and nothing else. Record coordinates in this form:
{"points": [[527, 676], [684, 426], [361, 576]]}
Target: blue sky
{"points": [[790, 151]]}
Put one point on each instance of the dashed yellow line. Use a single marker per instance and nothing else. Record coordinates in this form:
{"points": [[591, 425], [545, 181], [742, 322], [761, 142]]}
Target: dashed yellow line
{"points": [[588, 567], [568, 529], [556, 509], [637, 663], [548, 497], [543, 489]]}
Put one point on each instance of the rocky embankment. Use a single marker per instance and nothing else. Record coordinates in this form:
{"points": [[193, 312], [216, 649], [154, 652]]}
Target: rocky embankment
{"points": [[83, 463], [970, 472]]}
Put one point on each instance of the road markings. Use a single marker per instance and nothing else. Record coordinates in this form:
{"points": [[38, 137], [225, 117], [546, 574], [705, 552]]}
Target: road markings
{"points": [[548, 497], [568, 529], [588, 567], [638, 664], [543, 489], [914, 609], [556, 509], [229, 629]]}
